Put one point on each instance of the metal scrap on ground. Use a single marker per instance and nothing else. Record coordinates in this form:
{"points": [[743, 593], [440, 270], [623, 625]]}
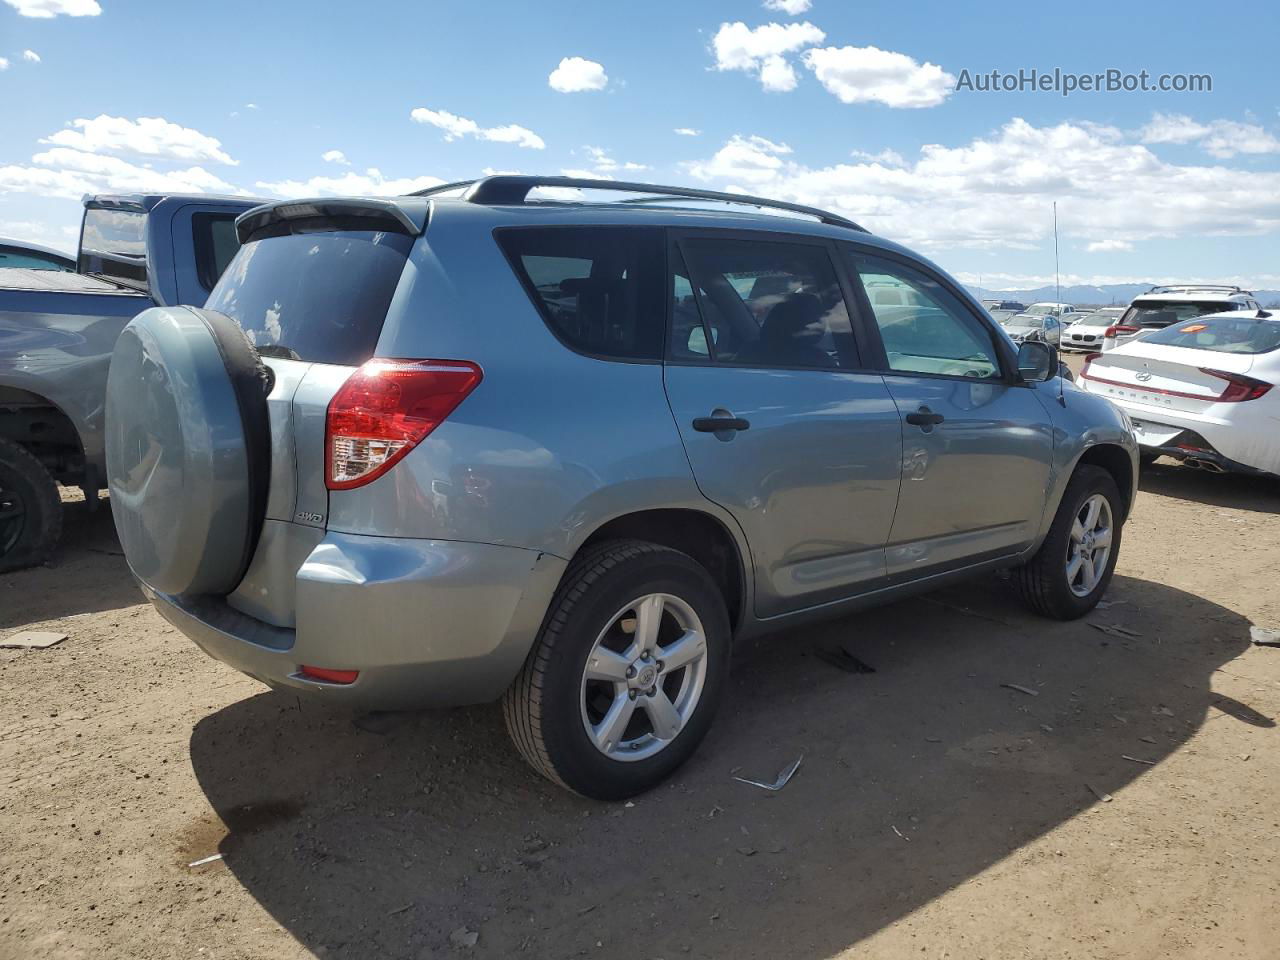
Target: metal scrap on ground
{"points": [[783, 778], [33, 640], [1115, 630], [1021, 689], [1265, 636]]}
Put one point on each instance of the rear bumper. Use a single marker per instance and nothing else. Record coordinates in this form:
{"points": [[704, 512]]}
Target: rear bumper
{"points": [[425, 622]]}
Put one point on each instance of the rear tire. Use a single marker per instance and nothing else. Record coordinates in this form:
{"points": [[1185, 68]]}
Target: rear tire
{"points": [[30, 509], [559, 707], [1046, 582]]}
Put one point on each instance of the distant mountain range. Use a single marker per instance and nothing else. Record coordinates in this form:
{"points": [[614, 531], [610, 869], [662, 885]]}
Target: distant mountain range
{"points": [[1117, 294]]}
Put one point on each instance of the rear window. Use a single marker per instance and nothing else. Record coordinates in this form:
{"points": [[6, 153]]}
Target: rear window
{"points": [[113, 242], [1222, 334], [1155, 313], [318, 296], [599, 289]]}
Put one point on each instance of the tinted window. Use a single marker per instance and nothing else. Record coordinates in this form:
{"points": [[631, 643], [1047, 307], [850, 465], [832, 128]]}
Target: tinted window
{"points": [[29, 260], [761, 303], [924, 327], [214, 237], [1156, 313], [1222, 334], [319, 296], [598, 288]]}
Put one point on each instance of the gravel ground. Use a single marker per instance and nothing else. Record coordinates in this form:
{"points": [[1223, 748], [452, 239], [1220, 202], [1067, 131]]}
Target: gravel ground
{"points": [[937, 813]]}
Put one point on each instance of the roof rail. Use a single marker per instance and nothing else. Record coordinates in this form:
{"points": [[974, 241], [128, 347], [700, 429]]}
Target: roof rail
{"points": [[511, 189], [1175, 287]]}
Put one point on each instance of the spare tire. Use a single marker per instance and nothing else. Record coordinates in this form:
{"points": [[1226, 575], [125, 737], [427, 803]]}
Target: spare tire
{"points": [[188, 449]]}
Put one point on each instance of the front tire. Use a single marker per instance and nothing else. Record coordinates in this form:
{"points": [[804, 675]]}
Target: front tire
{"points": [[627, 673], [30, 509], [1073, 567]]}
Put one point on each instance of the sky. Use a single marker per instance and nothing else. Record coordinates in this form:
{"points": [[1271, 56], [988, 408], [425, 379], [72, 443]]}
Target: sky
{"points": [[850, 106]]}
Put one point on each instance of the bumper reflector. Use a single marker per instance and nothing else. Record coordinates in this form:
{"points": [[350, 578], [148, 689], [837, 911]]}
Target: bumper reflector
{"points": [[325, 675]]}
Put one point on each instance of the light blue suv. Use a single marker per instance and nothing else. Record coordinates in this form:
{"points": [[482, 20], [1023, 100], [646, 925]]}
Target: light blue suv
{"points": [[562, 442]]}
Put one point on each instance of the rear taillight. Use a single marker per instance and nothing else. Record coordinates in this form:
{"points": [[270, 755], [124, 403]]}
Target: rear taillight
{"points": [[1118, 329], [1239, 387], [1088, 359], [384, 410]]}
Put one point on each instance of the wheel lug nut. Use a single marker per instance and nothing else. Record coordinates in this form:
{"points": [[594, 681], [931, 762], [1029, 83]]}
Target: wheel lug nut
{"points": [[631, 694], [659, 665], [631, 672], [651, 691]]}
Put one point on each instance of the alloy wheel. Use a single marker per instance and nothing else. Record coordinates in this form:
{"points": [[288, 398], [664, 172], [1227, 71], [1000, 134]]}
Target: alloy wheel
{"points": [[1089, 546]]}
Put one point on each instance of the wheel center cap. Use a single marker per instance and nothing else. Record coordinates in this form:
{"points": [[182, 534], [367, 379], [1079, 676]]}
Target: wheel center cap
{"points": [[646, 676]]}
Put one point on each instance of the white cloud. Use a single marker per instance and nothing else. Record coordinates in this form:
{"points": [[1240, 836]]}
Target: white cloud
{"points": [[997, 191], [67, 173], [4, 63], [335, 156], [46, 9], [371, 183], [1109, 246], [455, 126], [1219, 138], [147, 136], [872, 75], [251, 106], [687, 132], [576, 74], [761, 50], [889, 158], [30, 56], [791, 7]]}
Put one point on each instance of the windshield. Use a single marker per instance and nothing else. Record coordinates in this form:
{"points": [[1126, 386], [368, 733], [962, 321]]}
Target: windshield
{"points": [[1223, 334], [1028, 321], [1163, 313], [1041, 310]]}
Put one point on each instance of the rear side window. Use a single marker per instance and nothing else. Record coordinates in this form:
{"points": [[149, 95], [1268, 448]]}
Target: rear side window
{"points": [[319, 296], [214, 237], [599, 289], [762, 304], [1222, 334]]}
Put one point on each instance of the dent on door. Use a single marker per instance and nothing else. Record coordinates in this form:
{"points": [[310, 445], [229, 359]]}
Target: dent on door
{"points": [[974, 483]]}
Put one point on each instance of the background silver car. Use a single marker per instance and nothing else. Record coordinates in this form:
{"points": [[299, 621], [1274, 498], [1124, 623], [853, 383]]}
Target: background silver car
{"points": [[472, 445]]}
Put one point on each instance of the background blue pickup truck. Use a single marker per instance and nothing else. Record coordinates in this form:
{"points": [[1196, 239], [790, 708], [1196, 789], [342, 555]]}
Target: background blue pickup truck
{"points": [[57, 330]]}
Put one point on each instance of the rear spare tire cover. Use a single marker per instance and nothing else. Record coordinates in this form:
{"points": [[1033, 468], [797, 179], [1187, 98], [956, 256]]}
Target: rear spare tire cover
{"points": [[188, 448]]}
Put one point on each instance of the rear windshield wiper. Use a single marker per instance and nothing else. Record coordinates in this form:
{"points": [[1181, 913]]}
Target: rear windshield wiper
{"points": [[277, 350]]}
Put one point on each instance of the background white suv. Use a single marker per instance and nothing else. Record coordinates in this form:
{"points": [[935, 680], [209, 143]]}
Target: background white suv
{"points": [[1162, 307]]}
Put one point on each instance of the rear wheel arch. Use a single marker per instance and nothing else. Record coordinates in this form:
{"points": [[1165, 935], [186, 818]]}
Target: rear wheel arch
{"points": [[45, 430], [695, 533]]}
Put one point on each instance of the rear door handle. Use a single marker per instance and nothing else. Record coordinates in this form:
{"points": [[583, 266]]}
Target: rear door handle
{"points": [[924, 417], [716, 424]]}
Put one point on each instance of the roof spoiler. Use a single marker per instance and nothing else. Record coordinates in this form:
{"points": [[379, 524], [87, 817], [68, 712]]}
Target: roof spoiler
{"points": [[339, 212]]}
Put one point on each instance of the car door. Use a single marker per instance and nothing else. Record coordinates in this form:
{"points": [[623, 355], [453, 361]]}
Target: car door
{"points": [[977, 442], [783, 424]]}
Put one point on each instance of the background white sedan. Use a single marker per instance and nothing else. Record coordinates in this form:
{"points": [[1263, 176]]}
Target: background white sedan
{"points": [[1202, 390]]}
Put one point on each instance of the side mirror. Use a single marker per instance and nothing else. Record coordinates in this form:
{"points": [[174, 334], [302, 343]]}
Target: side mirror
{"points": [[1037, 361]]}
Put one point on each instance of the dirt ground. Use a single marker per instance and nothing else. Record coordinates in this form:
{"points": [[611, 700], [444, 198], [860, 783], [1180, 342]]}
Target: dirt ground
{"points": [[937, 813]]}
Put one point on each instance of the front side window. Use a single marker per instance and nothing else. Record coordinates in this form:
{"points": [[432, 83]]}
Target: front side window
{"points": [[761, 303], [598, 288], [925, 329]]}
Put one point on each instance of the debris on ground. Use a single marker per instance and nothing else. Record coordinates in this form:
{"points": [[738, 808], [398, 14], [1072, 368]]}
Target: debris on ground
{"points": [[1147, 739], [380, 722], [747, 851], [1149, 763], [1265, 636], [1021, 689], [397, 910], [844, 660], [900, 833], [1115, 630], [464, 938], [783, 778], [33, 640], [1101, 795], [203, 860]]}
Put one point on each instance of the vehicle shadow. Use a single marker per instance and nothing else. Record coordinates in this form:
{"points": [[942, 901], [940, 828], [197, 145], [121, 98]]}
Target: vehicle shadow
{"points": [[87, 574], [915, 777], [1169, 478]]}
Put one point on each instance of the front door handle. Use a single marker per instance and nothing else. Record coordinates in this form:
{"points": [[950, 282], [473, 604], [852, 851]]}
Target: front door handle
{"points": [[924, 417], [716, 424]]}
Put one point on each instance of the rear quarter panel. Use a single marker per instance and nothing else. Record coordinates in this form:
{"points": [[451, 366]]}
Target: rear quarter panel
{"points": [[549, 446], [58, 345]]}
